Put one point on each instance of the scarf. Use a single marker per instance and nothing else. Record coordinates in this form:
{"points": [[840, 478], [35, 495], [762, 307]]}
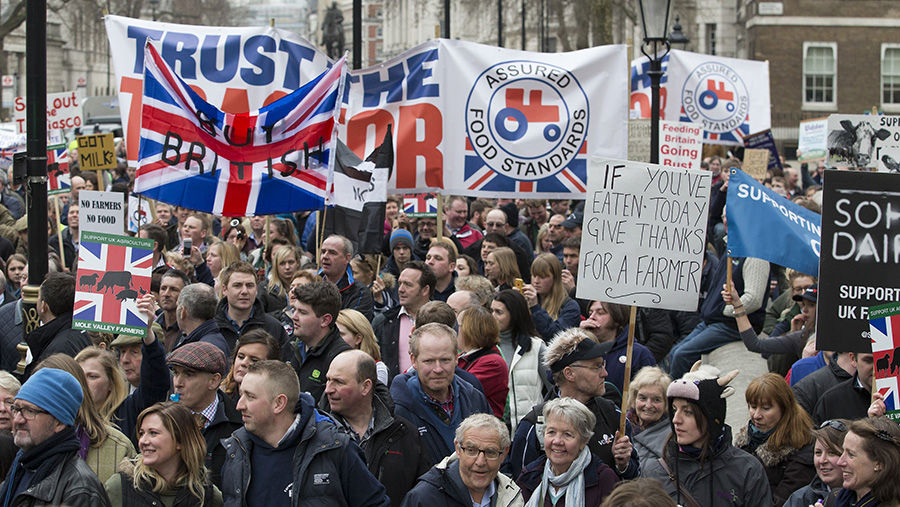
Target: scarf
{"points": [[847, 498], [39, 461], [573, 478], [757, 437]]}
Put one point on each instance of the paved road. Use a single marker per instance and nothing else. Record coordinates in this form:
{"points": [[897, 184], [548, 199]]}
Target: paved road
{"points": [[735, 356]]}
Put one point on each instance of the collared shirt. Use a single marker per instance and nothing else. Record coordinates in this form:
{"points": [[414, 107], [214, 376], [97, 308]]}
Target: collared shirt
{"points": [[487, 498], [447, 406], [209, 412], [407, 322], [234, 324]]}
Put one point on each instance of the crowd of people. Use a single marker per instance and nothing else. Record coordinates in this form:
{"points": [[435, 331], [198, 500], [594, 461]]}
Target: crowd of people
{"points": [[458, 366]]}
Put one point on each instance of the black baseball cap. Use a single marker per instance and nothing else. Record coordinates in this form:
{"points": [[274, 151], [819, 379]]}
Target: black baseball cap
{"points": [[586, 349], [810, 294], [573, 220]]}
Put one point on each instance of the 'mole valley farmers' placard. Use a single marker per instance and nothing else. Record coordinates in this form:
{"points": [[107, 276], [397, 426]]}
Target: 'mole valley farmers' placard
{"points": [[113, 272]]}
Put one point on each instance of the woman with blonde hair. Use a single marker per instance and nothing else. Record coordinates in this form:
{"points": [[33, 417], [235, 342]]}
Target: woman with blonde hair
{"points": [[501, 269], [105, 380], [102, 445], [551, 307], [219, 256], [357, 332], [779, 434], [285, 262], [170, 469]]}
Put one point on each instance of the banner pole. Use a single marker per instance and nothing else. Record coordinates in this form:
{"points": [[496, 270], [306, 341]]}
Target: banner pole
{"points": [[728, 279], [152, 205], [62, 255], [322, 236], [440, 217], [627, 382]]}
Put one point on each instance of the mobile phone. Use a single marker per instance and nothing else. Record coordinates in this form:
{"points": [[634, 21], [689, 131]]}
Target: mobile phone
{"points": [[187, 247], [520, 285]]}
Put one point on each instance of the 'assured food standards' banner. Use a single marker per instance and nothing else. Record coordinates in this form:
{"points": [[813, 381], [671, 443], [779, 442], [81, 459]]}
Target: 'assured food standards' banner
{"points": [[485, 121]]}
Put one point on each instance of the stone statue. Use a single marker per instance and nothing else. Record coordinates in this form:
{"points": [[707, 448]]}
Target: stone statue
{"points": [[333, 32]]}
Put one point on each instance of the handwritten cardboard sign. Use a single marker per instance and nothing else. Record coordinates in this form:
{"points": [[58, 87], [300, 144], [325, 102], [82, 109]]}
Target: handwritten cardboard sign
{"points": [[756, 163], [97, 152], [644, 234]]}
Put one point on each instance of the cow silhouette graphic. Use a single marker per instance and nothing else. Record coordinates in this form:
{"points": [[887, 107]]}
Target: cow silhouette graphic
{"points": [[895, 362], [113, 279]]}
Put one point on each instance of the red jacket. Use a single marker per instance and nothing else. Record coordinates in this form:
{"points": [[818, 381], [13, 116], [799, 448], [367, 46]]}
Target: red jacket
{"points": [[491, 370]]}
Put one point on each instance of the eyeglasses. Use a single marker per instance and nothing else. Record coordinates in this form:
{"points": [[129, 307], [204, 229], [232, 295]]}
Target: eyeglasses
{"points": [[28, 413], [838, 425], [473, 452], [596, 367]]}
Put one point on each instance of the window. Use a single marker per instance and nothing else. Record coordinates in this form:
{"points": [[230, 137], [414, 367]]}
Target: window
{"points": [[819, 75], [890, 76], [711, 38]]}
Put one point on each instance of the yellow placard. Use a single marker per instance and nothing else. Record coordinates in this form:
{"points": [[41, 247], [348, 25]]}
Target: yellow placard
{"points": [[96, 152]]}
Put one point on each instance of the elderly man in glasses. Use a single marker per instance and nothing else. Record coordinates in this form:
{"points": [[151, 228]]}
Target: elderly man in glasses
{"points": [[470, 475], [48, 470]]}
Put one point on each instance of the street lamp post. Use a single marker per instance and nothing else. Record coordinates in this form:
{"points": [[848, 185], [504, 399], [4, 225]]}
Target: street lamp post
{"points": [[677, 38], [655, 23], [153, 5]]}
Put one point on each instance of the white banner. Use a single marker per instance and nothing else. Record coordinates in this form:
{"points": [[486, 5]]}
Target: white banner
{"points": [[485, 121], [235, 69], [63, 111], [101, 212], [864, 140], [727, 96], [644, 235]]}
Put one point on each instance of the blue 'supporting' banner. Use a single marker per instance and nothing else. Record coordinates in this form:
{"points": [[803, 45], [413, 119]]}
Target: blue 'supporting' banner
{"points": [[764, 225]]}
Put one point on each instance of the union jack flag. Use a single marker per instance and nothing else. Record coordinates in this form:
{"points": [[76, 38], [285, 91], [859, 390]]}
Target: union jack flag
{"points": [[884, 325], [113, 271], [58, 181], [277, 159], [420, 205]]}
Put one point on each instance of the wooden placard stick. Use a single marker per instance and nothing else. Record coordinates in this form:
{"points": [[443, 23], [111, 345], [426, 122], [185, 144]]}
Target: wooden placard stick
{"points": [[627, 383], [62, 254]]}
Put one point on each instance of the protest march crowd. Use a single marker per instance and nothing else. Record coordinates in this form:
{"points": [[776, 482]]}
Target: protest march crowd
{"points": [[458, 368]]}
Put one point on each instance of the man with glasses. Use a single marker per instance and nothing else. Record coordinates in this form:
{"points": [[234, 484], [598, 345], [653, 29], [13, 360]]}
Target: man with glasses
{"points": [[471, 476], [48, 470], [578, 367], [362, 407]]}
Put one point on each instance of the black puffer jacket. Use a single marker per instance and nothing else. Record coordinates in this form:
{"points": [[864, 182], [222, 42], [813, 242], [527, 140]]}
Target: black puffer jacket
{"points": [[809, 389], [54, 337], [394, 451], [72, 483], [259, 319]]}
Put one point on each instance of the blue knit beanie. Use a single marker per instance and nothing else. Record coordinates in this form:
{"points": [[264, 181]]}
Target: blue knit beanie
{"points": [[55, 391], [401, 236]]}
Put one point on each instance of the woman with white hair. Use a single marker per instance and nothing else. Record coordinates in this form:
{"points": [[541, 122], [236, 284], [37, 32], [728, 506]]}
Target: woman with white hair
{"points": [[568, 474]]}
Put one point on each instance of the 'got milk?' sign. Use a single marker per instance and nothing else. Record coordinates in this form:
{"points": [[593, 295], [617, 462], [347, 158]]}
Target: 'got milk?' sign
{"points": [[644, 234]]}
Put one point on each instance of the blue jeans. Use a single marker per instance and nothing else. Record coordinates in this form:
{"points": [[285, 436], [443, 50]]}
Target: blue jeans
{"points": [[704, 338]]}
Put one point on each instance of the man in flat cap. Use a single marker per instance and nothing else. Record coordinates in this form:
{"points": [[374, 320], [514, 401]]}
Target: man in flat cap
{"points": [[198, 369]]}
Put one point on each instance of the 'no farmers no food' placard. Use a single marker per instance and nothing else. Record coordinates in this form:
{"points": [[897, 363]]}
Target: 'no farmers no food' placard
{"points": [[644, 234]]}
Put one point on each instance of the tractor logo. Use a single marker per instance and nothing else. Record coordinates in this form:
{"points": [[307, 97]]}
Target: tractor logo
{"points": [[526, 120], [716, 96]]}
